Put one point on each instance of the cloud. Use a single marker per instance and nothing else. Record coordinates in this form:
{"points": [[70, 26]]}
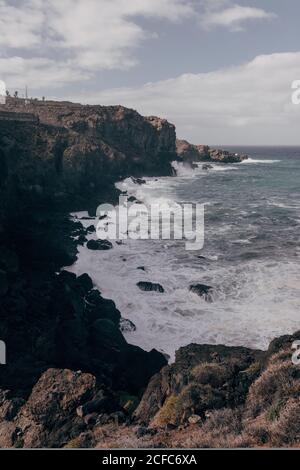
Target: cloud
{"points": [[21, 26], [82, 36], [50, 43], [232, 16], [250, 103], [39, 72]]}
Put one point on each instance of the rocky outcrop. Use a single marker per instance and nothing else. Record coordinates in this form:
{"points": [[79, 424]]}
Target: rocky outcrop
{"points": [[99, 245], [65, 157], [62, 321], [217, 396], [212, 396], [73, 153], [192, 153], [202, 290], [54, 412], [198, 153], [150, 287], [202, 378]]}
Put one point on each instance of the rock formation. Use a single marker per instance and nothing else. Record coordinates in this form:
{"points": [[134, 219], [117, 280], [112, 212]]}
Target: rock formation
{"points": [[212, 396], [56, 157], [73, 153], [201, 153]]}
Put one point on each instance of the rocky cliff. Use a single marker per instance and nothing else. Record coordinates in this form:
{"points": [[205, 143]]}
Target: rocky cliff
{"points": [[202, 153], [71, 377], [73, 153], [56, 157]]}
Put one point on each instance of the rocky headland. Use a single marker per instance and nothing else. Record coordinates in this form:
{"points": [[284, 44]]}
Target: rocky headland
{"points": [[71, 379], [190, 153]]}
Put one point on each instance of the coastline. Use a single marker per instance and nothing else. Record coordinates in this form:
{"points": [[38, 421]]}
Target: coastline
{"points": [[55, 325]]}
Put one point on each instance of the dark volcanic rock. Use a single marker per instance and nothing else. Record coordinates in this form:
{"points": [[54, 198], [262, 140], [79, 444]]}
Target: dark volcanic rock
{"points": [[49, 417], [91, 229], [207, 167], [202, 378], [9, 260], [99, 245], [139, 181], [196, 153], [191, 153], [62, 321], [3, 283], [132, 199], [97, 307], [85, 282], [74, 153], [127, 325], [150, 287], [202, 290]]}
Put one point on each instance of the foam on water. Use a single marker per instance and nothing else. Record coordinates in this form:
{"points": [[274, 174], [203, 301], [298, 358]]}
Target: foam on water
{"points": [[258, 161], [252, 303], [256, 295]]}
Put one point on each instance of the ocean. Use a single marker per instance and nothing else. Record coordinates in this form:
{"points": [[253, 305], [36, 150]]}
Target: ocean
{"points": [[250, 257]]}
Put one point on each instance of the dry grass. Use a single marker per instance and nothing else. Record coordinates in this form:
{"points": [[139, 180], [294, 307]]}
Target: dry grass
{"points": [[270, 416]]}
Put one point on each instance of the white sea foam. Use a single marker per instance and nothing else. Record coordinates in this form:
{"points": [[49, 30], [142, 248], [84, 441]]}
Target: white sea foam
{"points": [[252, 303], [258, 160], [253, 300], [184, 170]]}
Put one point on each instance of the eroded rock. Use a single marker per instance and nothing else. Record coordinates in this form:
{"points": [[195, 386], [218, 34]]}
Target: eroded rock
{"points": [[150, 287], [99, 245]]}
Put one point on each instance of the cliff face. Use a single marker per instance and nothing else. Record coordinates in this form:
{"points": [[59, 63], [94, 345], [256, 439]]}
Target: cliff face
{"points": [[75, 153], [56, 157], [72, 152]]}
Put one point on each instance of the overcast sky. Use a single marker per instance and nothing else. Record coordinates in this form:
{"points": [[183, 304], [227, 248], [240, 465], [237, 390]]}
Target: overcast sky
{"points": [[221, 70]]}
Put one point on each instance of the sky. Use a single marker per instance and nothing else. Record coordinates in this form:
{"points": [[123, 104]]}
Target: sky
{"points": [[220, 70]]}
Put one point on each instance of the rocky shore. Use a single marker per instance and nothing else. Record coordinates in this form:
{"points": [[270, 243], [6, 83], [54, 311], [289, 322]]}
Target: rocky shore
{"points": [[190, 153], [71, 379], [212, 396]]}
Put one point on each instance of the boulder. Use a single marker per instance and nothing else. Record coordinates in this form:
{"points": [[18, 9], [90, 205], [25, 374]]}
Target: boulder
{"points": [[85, 282], [202, 290], [98, 245], [48, 419], [127, 326], [91, 229], [194, 419], [150, 287], [139, 181]]}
